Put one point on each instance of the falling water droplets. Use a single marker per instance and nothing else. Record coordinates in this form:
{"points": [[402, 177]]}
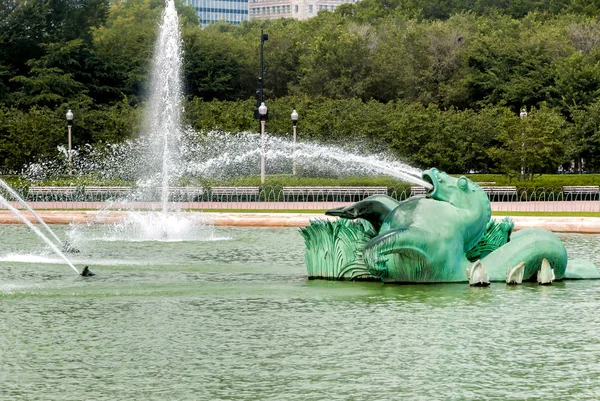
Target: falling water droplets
{"points": [[163, 113]]}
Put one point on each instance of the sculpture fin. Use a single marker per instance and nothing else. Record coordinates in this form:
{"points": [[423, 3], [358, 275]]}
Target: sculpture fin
{"points": [[545, 276], [374, 209], [515, 275], [477, 275], [86, 272]]}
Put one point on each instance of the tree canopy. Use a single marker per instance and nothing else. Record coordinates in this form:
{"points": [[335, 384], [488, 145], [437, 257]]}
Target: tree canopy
{"points": [[435, 82]]}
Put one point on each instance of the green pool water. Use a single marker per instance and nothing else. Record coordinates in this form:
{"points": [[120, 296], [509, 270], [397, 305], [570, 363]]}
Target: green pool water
{"points": [[233, 317]]}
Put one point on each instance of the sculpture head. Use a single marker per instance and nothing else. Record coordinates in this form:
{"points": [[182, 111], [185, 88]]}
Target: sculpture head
{"points": [[463, 194], [459, 192]]}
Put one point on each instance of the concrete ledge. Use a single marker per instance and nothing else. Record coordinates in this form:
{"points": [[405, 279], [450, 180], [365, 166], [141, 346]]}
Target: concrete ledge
{"points": [[585, 225]]}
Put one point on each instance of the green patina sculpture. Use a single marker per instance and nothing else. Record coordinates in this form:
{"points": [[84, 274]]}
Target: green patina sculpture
{"points": [[445, 236]]}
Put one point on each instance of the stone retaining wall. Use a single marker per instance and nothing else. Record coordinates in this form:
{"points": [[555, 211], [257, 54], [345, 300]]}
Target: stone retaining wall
{"points": [[586, 225]]}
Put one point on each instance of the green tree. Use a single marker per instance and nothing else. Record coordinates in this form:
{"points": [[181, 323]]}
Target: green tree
{"points": [[534, 144], [216, 65], [123, 50], [49, 82], [33, 28], [585, 136], [29, 136], [513, 64], [335, 63]]}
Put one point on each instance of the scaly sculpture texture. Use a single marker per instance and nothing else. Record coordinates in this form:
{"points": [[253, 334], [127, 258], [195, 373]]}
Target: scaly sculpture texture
{"points": [[445, 236]]}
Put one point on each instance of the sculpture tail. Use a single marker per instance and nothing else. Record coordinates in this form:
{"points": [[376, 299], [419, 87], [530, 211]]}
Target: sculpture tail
{"points": [[344, 211]]}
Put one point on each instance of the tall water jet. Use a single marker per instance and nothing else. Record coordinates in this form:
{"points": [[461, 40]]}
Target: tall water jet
{"points": [[163, 140], [162, 120]]}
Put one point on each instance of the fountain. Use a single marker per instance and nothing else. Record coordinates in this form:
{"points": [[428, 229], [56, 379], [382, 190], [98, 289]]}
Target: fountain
{"points": [[162, 301], [162, 143], [163, 112], [445, 236]]}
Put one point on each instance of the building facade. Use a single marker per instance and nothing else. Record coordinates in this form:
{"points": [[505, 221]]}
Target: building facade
{"points": [[211, 11], [298, 9]]}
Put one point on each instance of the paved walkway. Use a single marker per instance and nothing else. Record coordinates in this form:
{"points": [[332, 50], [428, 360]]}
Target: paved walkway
{"points": [[588, 225]]}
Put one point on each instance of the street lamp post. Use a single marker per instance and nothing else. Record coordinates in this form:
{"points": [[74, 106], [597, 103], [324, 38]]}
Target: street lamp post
{"points": [[259, 92], [523, 115], [262, 111], [69, 125], [294, 123], [263, 37]]}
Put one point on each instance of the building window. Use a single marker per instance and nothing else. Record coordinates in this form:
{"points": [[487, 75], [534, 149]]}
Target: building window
{"points": [[310, 8], [296, 8]]}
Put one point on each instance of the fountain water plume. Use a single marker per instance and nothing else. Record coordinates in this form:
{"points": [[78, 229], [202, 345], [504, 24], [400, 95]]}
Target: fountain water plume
{"points": [[167, 152], [219, 155], [159, 157], [243, 149], [163, 114]]}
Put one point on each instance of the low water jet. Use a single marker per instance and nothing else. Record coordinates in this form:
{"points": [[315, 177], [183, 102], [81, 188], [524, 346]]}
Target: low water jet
{"points": [[40, 234], [66, 246]]}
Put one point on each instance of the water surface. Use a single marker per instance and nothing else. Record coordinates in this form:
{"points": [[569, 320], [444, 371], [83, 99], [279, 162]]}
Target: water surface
{"points": [[233, 317]]}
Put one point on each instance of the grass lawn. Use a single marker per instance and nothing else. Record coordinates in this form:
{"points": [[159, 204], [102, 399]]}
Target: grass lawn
{"points": [[310, 211]]}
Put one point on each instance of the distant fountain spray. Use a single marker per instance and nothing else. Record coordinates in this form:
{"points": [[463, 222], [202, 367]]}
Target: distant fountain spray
{"points": [[220, 155], [163, 114]]}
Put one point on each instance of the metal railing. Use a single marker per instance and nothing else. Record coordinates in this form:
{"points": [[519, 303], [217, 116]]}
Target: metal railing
{"points": [[577, 199]]}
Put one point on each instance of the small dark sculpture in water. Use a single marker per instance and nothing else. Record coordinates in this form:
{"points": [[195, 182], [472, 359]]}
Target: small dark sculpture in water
{"points": [[86, 272], [68, 248], [445, 236]]}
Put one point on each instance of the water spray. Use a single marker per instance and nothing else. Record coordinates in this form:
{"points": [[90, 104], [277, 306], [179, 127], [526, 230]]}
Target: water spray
{"points": [[40, 234], [66, 247]]}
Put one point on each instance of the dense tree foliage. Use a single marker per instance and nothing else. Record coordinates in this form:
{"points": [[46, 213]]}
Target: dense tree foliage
{"points": [[435, 82]]}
